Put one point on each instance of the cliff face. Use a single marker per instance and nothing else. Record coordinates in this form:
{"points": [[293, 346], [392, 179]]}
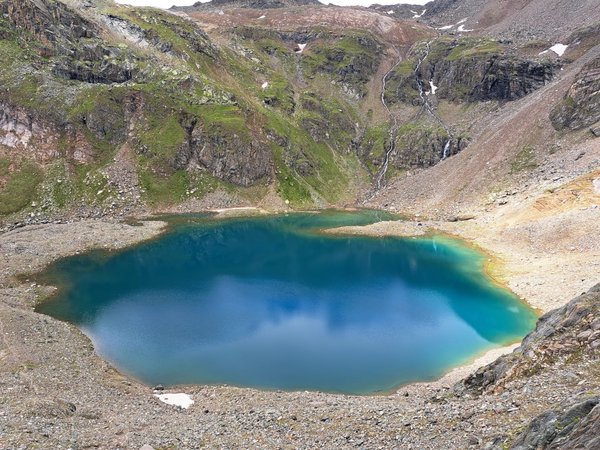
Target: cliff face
{"points": [[471, 70], [581, 105]]}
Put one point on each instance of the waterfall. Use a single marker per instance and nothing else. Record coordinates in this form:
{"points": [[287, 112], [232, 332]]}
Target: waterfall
{"points": [[393, 126], [426, 103], [446, 148]]}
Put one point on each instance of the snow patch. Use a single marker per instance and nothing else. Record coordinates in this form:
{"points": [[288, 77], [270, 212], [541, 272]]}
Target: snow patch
{"points": [[390, 12], [559, 49], [445, 27], [462, 29], [265, 85], [262, 17], [301, 48], [462, 21], [433, 87], [180, 400], [416, 16]]}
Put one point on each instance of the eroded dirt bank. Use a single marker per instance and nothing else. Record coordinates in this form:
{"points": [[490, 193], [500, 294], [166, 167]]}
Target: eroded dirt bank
{"points": [[57, 393]]}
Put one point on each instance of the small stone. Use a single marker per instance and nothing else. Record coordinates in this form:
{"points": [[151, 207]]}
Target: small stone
{"points": [[146, 447], [584, 335], [159, 387]]}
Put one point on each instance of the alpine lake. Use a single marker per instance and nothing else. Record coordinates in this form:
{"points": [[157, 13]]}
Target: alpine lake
{"points": [[271, 302]]}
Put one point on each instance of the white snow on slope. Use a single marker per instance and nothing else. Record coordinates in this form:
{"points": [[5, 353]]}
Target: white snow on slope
{"points": [[559, 49], [416, 16], [181, 400]]}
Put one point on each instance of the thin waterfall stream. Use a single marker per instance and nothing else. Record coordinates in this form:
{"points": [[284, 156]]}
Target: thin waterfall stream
{"points": [[427, 104], [393, 126]]}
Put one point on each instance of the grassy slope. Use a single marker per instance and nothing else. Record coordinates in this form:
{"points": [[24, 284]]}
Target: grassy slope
{"points": [[220, 88]]}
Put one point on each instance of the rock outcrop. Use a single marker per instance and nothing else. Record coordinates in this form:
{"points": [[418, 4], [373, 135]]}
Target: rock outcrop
{"points": [[236, 157], [571, 427], [560, 332], [471, 70], [581, 105], [56, 26]]}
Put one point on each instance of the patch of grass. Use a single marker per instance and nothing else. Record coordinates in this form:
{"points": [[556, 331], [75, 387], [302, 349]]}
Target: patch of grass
{"points": [[290, 186], [525, 160], [165, 190], [472, 47], [374, 145], [163, 135], [20, 187], [229, 118], [308, 171]]}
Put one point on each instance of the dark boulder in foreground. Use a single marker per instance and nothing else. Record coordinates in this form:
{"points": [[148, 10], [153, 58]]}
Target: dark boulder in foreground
{"points": [[577, 426]]}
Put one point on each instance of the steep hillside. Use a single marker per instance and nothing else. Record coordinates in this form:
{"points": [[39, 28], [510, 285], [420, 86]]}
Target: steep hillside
{"points": [[108, 109], [87, 91], [522, 20]]}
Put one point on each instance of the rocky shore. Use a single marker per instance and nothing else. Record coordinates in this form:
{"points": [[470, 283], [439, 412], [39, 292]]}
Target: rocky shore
{"points": [[59, 394]]}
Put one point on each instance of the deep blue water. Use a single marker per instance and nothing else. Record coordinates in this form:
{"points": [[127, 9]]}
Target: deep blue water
{"points": [[272, 303]]}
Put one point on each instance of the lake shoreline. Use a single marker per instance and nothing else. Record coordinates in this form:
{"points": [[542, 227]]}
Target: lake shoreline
{"points": [[41, 350], [119, 235]]}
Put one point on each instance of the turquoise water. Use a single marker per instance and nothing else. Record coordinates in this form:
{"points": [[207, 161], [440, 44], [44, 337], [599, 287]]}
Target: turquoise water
{"points": [[271, 303]]}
